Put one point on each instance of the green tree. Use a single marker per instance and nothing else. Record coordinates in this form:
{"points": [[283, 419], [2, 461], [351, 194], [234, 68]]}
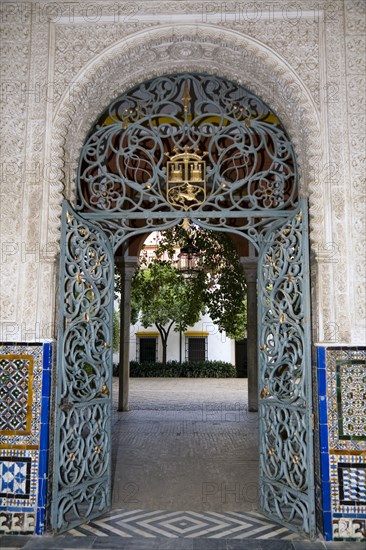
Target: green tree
{"points": [[222, 281], [116, 330], [161, 296]]}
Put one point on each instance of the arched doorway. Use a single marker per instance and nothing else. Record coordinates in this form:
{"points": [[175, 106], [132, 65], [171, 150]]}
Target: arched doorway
{"points": [[185, 148]]}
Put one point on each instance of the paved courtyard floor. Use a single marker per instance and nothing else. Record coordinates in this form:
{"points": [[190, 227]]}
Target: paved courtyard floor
{"points": [[185, 476], [186, 444]]}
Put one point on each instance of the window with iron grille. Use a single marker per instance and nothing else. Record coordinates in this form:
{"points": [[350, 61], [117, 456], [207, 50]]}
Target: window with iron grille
{"points": [[147, 349], [196, 348]]}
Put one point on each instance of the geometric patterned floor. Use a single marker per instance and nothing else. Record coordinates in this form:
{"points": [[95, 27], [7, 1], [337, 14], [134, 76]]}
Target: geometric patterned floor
{"points": [[212, 525]]}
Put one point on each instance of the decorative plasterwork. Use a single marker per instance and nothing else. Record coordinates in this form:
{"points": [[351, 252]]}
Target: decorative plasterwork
{"points": [[13, 123], [169, 49], [355, 62], [281, 33]]}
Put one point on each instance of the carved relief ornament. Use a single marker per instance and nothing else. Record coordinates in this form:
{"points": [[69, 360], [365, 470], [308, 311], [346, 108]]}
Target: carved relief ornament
{"points": [[190, 48]]}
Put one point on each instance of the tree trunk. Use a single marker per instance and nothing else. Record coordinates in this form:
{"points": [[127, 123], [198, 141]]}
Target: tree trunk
{"points": [[164, 342], [164, 333]]}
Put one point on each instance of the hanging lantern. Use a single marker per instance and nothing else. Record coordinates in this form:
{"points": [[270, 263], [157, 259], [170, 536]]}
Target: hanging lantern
{"points": [[188, 260]]}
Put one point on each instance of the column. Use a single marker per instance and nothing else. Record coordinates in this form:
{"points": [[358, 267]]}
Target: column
{"points": [[252, 337], [126, 267]]}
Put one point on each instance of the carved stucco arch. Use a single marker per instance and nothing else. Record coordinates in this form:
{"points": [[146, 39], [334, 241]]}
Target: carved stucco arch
{"points": [[184, 48]]}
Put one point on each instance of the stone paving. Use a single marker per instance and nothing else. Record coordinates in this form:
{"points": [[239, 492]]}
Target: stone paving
{"points": [[186, 444]]}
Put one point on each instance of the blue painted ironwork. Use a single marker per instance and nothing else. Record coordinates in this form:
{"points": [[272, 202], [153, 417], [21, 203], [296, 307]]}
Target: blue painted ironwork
{"points": [[246, 166], [81, 476], [285, 413]]}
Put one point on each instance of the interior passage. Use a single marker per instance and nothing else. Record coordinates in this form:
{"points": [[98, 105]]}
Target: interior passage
{"points": [[185, 444]]}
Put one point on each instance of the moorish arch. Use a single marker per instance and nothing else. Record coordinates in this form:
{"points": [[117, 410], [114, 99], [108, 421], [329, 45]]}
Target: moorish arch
{"points": [[234, 57], [184, 48]]}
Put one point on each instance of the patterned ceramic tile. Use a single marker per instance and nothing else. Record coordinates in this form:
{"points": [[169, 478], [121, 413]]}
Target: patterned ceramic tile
{"points": [[346, 395], [352, 483], [21, 368], [349, 529], [25, 373], [342, 430], [17, 523], [16, 376], [348, 488], [44, 442], [15, 477], [19, 479], [351, 398]]}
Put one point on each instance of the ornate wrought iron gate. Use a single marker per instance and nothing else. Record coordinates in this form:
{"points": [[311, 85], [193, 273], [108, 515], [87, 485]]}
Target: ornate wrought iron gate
{"points": [[285, 414], [233, 169], [81, 476]]}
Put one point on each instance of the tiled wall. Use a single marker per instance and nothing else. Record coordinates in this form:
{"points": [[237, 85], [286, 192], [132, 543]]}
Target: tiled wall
{"points": [[25, 380], [342, 431]]}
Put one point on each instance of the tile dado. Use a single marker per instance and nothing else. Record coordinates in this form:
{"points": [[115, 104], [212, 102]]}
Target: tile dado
{"points": [[25, 376], [346, 395], [342, 427], [351, 399], [16, 394]]}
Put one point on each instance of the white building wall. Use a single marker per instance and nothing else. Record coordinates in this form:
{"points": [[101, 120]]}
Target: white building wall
{"points": [[219, 346]]}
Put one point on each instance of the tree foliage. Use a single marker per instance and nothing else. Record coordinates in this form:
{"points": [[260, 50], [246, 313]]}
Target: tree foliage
{"points": [[162, 297], [222, 281], [116, 330]]}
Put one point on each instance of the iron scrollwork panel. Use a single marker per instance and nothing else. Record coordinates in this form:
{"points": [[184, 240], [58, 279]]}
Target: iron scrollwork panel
{"points": [[286, 456], [81, 484], [187, 142]]}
